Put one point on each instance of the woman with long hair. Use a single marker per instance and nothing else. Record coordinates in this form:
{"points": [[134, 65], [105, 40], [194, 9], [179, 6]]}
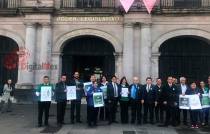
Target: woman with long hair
{"points": [[124, 101], [6, 96]]}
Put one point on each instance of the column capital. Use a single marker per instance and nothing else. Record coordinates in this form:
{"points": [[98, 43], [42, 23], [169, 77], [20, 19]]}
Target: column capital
{"points": [[146, 24], [57, 54], [30, 24], [128, 24], [47, 25]]}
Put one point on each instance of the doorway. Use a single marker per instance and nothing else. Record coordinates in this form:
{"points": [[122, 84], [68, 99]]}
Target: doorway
{"points": [[88, 55]]}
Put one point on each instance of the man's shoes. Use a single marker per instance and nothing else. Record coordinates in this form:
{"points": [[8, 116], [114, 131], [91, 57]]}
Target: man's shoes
{"points": [[174, 125], [139, 123], [72, 122], [89, 124], [9, 111], [115, 122], [161, 122], [47, 125], [39, 125], [157, 121], [95, 124], [144, 122], [165, 125], [132, 122], [63, 123], [109, 123], [152, 123], [59, 124]]}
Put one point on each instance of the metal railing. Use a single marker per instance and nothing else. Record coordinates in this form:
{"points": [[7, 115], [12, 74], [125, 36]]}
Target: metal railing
{"points": [[87, 3], [9, 3], [185, 3]]}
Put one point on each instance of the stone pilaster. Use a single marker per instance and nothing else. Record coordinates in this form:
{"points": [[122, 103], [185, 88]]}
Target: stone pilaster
{"points": [[118, 65], [57, 61], [155, 66], [145, 52], [45, 54], [27, 75], [128, 51]]}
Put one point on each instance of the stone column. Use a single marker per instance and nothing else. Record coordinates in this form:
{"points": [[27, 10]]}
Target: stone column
{"points": [[56, 72], [30, 45], [145, 52], [155, 66], [118, 65], [45, 54], [128, 51]]}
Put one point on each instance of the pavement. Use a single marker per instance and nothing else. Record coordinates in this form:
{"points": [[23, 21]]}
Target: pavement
{"points": [[23, 119]]}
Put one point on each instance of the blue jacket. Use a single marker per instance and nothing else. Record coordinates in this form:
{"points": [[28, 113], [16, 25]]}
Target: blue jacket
{"points": [[90, 96]]}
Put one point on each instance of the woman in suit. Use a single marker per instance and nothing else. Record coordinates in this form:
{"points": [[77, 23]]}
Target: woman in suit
{"points": [[104, 83], [204, 90], [193, 90], [124, 101], [6, 96]]}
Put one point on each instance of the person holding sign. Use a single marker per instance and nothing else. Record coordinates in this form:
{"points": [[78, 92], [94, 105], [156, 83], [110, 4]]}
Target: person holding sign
{"points": [[205, 101], [192, 90], [44, 106], [77, 102], [136, 100], [124, 100], [170, 97], [104, 89], [182, 87], [61, 99], [93, 110]]}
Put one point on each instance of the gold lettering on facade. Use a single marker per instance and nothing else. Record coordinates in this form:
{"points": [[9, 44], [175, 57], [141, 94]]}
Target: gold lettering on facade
{"points": [[88, 18], [87, 31]]}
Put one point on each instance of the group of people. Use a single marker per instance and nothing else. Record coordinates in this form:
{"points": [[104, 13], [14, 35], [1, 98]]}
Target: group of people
{"points": [[154, 99]]}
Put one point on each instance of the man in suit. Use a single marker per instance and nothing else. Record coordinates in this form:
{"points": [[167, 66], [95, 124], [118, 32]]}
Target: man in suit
{"points": [[137, 99], [112, 97], [77, 102], [61, 100], [159, 107], [150, 100], [182, 87], [170, 96]]}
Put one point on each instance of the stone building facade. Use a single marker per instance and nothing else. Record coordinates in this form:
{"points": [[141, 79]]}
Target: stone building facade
{"points": [[46, 27]]}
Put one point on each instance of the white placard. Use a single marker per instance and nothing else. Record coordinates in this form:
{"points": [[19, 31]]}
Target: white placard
{"points": [[195, 102], [124, 92], [71, 93], [46, 93], [184, 102]]}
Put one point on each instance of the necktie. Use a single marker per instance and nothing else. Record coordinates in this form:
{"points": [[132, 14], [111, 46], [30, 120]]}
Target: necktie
{"points": [[64, 85], [114, 90], [134, 92], [148, 88], [76, 81]]}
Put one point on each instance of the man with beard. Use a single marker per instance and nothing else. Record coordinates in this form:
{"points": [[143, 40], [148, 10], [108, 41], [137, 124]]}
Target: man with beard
{"points": [[77, 102]]}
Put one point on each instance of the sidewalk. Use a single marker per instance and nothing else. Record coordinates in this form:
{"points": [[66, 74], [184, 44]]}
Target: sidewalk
{"points": [[23, 120]]}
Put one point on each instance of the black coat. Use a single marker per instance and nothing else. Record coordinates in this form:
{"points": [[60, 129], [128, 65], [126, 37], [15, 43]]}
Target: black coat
{"points": [[80, 85], [110, 91], [170, 95], [152, 95], [159, 90], [60, 94], [139, 92]]}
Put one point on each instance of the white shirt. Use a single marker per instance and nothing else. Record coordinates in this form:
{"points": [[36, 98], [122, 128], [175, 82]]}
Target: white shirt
{"points": [[169, 85], [116, 88], [184, 88], [149, 86]]}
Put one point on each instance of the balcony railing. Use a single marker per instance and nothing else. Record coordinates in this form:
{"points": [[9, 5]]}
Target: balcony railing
{"points": [[87, 3], [9, 3], [185, 3]]}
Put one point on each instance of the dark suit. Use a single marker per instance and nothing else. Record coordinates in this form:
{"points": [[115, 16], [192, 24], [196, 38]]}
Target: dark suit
{"points": [[149, 101], [61, 101], [179, 87], [159, 107], [170, 95], [77, 102], [136, 104], [113, 104]]}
